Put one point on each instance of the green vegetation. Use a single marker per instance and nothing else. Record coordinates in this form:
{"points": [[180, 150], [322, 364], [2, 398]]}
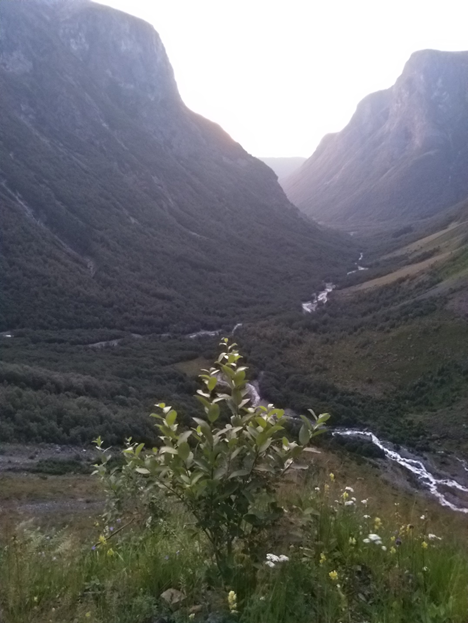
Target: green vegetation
{"points": [[327, 557]]}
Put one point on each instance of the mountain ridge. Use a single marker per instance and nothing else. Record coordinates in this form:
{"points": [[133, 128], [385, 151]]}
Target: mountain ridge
{"points": [[121, 207], [402, 156]]}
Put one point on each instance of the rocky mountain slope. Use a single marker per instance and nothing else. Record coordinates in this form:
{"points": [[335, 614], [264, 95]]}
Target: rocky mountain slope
{"points": [[121, 208], [402, 157]]}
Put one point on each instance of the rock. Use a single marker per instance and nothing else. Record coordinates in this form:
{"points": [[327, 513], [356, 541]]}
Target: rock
{"points": [[173, 597]]}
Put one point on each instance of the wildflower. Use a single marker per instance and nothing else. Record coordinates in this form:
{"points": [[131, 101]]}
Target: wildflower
{"points": [[326, 488], [423, 517], [364, 502], [93, 548], [350, 489], [392, 550], [283, 558], [333, 576], [425, 568], [384, 549], [377, 523], [366, 516], [345, 495], [269, 563], [191, 616], [272, 557], [110, 552], [349, 503], [433, 537], [232, 601], [398, 541], [375, 538], [332, 476], [352, 540], [36, 599], [88, 615], [102, 539], [366, 540], [323, 558], [317, 489], [111, 529], [424, 545]]}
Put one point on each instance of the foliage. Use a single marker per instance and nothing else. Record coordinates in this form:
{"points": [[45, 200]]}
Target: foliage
{"points": [[334, 560], [225, 475]]}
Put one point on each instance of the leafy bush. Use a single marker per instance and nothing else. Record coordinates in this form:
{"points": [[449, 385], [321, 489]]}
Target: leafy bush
{"points": [[226, 474]]}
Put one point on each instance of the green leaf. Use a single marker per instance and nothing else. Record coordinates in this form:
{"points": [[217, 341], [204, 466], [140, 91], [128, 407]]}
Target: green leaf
{"points": [[213, 413], [184, 450], [142, 470], [211, 384], [304, 435], [171, 417]]}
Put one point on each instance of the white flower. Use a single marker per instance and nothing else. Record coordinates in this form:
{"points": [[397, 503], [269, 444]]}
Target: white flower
{"points": [[366, 541], [317, 488], [374, 538], [364, 502], [349, 503], [283, 558], [272, 557], [384, 548], [270, 564], [433, 537], [350, 489], [366, 516], [423, 517]]}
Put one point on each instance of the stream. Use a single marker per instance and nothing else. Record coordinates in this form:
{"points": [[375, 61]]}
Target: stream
{"points": [[445, 488]]}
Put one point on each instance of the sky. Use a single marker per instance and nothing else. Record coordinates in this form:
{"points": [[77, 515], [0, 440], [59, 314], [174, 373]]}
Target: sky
{"points": [[278, 75]]}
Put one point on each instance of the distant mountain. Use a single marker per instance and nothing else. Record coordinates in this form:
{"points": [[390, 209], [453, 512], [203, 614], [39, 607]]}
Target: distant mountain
{"points": [[402, 157], [121, 208], [283, 166]]}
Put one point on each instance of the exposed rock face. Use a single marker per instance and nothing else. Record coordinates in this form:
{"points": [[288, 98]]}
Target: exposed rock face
{"points": [[118, 205], [402, 157]]}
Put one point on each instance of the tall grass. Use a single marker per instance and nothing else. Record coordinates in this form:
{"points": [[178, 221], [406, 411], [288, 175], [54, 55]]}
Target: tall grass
{"points": [[345, 565]]}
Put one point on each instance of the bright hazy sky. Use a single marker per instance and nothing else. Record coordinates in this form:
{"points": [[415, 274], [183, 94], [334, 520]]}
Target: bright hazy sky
{"points": [[279, 74]]}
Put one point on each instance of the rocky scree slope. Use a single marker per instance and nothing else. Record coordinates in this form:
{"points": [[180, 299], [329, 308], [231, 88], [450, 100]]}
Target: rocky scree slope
{"points": [[119, 207], [402, 157]]}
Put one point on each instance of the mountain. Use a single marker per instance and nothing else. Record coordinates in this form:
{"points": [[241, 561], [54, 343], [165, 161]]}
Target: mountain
{"points": [[402, 157], [283, 167], [120, 207]]}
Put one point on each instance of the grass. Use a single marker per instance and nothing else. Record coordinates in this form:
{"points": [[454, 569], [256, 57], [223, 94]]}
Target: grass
{"points": [[333, 575], [401, 273]]}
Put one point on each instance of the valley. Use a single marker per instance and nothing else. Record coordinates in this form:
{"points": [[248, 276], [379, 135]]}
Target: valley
{"points": [[140, 243]]}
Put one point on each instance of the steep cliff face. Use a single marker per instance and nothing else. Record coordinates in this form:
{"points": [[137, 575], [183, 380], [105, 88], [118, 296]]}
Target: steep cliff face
{"points": [[119, 206], [402, 157]]}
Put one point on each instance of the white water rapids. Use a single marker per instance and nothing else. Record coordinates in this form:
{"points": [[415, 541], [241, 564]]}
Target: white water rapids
{"points": [[413, 464]]}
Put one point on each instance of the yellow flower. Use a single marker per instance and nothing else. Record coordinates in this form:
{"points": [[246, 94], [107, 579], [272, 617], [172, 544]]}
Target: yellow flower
{"points": [[110, 552], [88, 615], [345, 495], [102, 539], [392, 550], [352, 540], [377, 523], [424, 545], [332, 476], [326, 488], [232, 601], [333, 576], [323, 558], [393, 539]]}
